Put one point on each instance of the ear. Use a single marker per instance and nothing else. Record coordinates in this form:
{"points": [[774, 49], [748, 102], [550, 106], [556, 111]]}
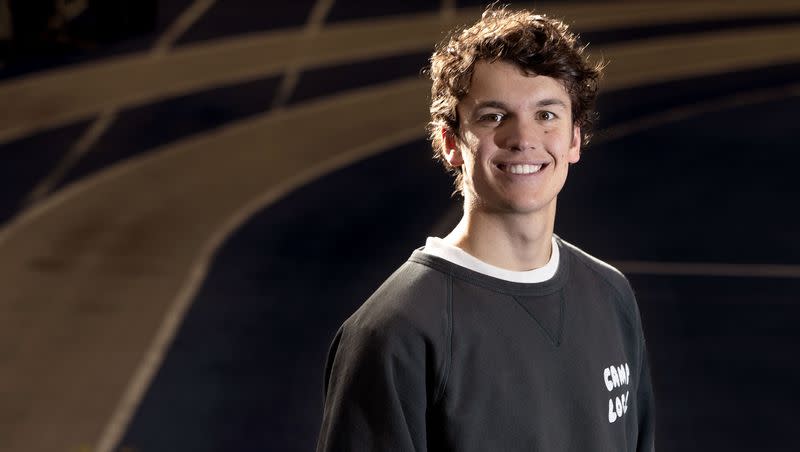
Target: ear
{"points": [[451, 151], [574, 152]]}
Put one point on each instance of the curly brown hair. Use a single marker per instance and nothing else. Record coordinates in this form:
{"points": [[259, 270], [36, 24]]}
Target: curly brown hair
{"points": [[536, 43]]}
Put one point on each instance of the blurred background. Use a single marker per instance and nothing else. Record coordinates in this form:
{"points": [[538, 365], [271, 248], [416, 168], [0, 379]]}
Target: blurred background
{"points": [[196, 193]]}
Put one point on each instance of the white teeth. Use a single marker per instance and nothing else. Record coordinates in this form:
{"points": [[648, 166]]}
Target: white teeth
{"points": [[523, 169]]}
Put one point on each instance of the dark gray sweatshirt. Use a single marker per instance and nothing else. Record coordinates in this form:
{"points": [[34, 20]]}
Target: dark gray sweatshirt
{"points": [[442, 358]]}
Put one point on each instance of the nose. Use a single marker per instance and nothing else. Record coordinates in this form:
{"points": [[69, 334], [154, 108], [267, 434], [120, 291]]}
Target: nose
{"points": [[518, 134]]}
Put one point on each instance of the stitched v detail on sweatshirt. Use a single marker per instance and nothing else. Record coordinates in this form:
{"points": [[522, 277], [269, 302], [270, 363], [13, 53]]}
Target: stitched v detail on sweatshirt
{"points": [[547, 312]]}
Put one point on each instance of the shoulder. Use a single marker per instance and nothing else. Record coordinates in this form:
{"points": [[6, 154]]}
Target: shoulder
{"points": [[406, 325], [585, 266], [610, 274], [412, 301]]}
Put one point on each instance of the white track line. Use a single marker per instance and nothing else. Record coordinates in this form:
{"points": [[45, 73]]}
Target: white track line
{"points": [[123, 413], [107, 117], [76, 189], [292, 75], [86, 141], [66, 95], [188, 18], [154, 356], [706, 269], [680, 113]]}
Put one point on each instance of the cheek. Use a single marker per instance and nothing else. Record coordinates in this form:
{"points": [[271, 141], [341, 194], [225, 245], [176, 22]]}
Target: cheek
{"points": [[559, 141], [471, 148], [471, 140]]}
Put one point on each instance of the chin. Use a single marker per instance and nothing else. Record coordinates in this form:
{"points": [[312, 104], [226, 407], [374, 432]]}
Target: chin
{"points": [[528, 206], [520, 203]]}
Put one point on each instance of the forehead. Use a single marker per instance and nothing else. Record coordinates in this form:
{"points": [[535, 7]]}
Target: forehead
{"points": [[507, 83]]}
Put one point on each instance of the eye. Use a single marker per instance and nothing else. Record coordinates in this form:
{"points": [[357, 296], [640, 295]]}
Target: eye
{"points": [[492, 117], [546, 115]]}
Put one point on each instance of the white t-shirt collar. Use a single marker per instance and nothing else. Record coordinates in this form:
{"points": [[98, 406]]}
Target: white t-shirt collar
{"points": [[437, 247]]}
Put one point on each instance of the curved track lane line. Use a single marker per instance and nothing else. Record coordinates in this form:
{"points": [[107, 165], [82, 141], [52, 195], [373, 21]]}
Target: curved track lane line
{"points": [[145, 372], [107, 117], [313, 25], [654, 60], [661, 118], [708, 269], [97, 269], [633, 65], [65, 95]]}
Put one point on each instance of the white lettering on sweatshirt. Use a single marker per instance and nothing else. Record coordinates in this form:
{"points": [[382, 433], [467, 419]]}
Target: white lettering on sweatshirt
{"points": [[616, 377]]}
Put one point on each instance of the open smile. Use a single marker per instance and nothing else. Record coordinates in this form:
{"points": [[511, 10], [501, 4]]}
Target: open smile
{"points": [[521, 168]]}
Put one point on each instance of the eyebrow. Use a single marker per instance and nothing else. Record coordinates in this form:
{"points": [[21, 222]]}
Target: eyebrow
{"points": [[550, 101], [491, 104], [501, 105]]}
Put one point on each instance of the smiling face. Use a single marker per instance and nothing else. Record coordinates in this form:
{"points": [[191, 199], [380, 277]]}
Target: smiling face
{"points": [[516, 140]]}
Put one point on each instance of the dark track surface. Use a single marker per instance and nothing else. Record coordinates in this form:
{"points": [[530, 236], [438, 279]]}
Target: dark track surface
{"points": [[721, 354], [173, 119], [29, 160], [168, 11], [245, 371], [718, 187]]}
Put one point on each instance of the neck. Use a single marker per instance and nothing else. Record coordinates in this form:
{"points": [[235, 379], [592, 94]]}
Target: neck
{"points": [[517, 242]]}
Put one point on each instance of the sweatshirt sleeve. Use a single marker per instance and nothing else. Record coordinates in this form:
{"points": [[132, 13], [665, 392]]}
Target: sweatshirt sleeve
{"points": [[375, 391], [646, 406]]}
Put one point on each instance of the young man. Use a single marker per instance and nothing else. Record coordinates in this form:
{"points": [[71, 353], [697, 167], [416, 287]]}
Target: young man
{"points": [[499, 336]]}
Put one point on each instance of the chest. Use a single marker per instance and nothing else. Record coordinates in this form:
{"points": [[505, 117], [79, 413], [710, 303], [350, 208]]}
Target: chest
{"points": [[552, 371]]}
